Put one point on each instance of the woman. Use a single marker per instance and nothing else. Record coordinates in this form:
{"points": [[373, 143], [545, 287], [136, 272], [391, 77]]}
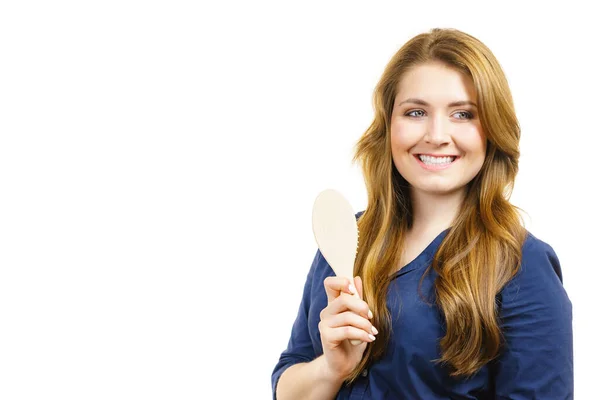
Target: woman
{"points": [[457, 299]]}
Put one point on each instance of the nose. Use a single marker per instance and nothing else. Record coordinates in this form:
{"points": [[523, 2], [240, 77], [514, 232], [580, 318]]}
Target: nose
{"points": [[437, 131]]}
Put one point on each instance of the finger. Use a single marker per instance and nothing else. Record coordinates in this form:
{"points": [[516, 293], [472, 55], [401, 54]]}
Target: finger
{"points": [[346, 302], [338, 335], [359, 286], [349, 318], [359, 289], [335, 285]]}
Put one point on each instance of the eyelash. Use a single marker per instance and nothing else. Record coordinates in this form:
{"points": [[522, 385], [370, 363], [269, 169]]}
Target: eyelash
{"points": [[469, 114]]}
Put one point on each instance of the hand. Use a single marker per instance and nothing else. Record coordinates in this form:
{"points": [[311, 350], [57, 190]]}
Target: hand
{"points": [[346, 317]]}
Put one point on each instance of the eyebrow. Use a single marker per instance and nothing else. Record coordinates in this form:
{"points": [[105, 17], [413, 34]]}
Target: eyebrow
{"points": [[453, 104]]}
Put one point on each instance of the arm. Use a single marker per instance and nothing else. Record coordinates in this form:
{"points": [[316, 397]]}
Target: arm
{"points": [[299, 374], [536, 319], [308, 381]]}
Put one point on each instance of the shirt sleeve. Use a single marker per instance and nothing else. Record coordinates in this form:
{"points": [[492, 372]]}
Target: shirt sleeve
{"points": [[300, 347], [536, 319]]}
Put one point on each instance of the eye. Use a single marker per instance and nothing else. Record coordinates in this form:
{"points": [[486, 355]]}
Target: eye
{"points": [[464, 115], [411, 113]]}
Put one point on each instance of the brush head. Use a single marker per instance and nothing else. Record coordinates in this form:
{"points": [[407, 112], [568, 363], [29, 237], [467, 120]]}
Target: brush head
{"points": [[336, 231]]}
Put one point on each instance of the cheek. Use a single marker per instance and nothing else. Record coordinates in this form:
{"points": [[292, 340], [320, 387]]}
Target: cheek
{"points": [[473, 141], [481, 145], [403, 135]]}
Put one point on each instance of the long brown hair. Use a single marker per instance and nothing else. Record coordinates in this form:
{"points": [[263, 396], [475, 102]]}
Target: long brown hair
{"points": [[482, 250]]}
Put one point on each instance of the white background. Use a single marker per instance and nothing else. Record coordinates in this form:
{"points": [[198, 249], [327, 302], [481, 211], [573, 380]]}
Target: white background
{"points": [[159, 161]]}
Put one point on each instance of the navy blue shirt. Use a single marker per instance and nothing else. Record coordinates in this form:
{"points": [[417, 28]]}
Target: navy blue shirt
{"points": [[535, 317]]}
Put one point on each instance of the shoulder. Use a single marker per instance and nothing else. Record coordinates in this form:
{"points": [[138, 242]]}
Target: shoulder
{"points": [[539, 259], [539, 279]]}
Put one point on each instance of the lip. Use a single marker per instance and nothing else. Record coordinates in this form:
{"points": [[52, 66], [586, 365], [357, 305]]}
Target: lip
{"points": [[436, 167], [436, 155]]}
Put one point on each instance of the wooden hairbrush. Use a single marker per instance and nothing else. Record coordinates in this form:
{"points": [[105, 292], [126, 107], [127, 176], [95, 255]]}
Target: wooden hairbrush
{"points": [[336, 232]]}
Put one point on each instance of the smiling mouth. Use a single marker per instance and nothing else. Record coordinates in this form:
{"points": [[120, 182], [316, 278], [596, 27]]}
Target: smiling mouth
{"points": [[436, 160]]}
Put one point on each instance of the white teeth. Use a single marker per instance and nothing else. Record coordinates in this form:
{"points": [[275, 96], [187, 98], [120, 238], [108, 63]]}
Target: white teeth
{"points": [[436, 160]]}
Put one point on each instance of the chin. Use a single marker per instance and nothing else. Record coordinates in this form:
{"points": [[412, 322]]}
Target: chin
{"points": [[439, 191]]}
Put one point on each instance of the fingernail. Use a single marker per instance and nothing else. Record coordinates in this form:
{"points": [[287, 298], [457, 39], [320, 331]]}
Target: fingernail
{"points": [[370, 314], [374, 330], [352, 289], [371, 337]]}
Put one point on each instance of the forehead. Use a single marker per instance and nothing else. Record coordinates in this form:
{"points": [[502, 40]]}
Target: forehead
{"points": [[436, 82]]}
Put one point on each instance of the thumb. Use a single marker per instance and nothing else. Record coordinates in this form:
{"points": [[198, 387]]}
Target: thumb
{"points": [[359, 286]]}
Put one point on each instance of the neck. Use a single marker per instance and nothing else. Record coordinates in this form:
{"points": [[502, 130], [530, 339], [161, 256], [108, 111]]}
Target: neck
{"points": [[433, 213]]}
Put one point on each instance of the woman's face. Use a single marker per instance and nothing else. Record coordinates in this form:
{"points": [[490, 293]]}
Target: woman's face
{"points": [[438, 144]]}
